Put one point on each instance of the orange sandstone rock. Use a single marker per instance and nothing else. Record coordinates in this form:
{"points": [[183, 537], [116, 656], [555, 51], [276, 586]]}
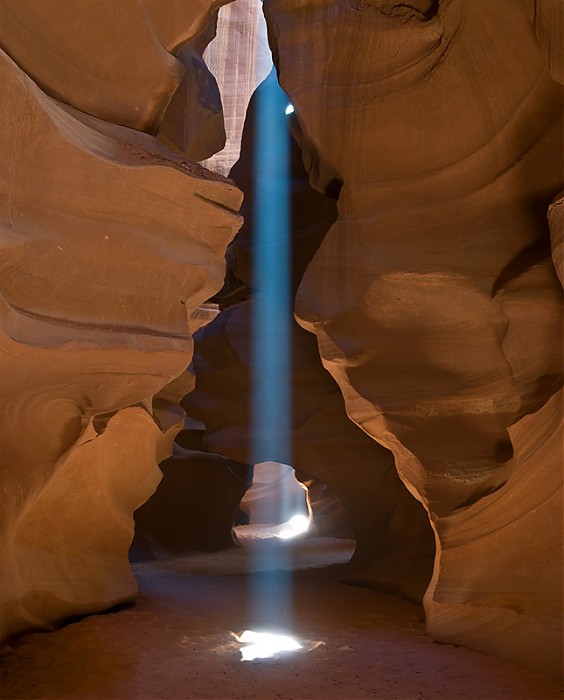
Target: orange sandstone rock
{"points": [[394, 542], [109, 243], [433, 297]]}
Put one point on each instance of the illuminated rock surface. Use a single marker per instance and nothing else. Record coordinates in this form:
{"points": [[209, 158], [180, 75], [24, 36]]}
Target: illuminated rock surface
{"points": [[240, 59], [193, 122], [94, 216], [428, 290], [433, 297], [394, 541], [507, 550]]}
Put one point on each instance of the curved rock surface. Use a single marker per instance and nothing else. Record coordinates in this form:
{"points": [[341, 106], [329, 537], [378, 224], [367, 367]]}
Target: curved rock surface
{"points": [[60, 46], [556, 222], [433, 297], [194, 507], [394, 542], [240, 60], [193, 123], [507, 549], [548, 20], [93, 218]]}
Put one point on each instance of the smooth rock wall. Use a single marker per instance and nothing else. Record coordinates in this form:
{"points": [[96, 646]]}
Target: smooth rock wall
{"points": [[395, 544], [433, 297], [109, 243], [111, 60], [239, 58], [506, 550]]}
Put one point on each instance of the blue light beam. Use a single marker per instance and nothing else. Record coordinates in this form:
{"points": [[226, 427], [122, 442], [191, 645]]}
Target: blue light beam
{"points": [[273, 303], [271, 410]]}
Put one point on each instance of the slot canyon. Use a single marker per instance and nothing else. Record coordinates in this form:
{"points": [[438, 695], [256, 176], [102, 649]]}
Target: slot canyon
{"points": [[268, 263]]}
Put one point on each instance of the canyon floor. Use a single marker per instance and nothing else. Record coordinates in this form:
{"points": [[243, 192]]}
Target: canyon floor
{"points": [[178, 641]]}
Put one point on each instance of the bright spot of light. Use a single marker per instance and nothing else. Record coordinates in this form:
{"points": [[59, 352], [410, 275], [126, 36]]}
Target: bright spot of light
{"points": [[263, 645], [289, 109], [295, 526]]}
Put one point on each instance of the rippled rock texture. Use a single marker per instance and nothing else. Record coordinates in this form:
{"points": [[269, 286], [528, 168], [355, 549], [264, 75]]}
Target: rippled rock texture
{"points": [[428, 292], [433, 297], [394, 545], [240, 60], [109, 242], [394, 541]]}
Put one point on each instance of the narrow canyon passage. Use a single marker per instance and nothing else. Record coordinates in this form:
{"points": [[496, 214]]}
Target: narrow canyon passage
{"points": [[317, 240], [178, 641]]}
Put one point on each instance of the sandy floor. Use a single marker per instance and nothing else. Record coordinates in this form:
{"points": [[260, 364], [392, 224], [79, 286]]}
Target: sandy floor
{"points": [[177, 642]]}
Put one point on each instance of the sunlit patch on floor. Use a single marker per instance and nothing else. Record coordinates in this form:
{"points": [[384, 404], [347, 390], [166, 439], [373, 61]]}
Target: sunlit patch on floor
{"points": [[265, 645], [294, 527]]}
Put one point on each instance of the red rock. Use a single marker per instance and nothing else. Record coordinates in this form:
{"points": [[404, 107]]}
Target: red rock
{"points": [[433, 296], [94, 217]]}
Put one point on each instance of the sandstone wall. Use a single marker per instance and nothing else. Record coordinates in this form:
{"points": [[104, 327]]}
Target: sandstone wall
{"points": [[430, 293], [240, 60], [433, 297], [394, 542], [109, 242]]}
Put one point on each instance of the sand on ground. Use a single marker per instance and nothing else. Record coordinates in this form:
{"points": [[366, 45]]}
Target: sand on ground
{"points": [[178, 640]]}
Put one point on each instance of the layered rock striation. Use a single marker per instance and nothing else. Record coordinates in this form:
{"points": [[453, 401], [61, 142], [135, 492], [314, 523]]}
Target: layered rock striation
{"points": [[433, 297], [430, 292], [240, 60], [109, 243], [394, 541]]}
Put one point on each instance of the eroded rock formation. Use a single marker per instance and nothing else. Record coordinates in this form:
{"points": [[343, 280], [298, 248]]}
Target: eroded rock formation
{"points": [[429, 292], [394, 542], [194, 508], [240, 60], [109, 244], [433, 297], [59, 46]]}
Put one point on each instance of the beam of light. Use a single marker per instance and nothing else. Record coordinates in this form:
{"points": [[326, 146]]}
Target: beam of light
{"points": [[272, 300], [273, 481], [272, 317], [264, 645], [294, 527]]}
